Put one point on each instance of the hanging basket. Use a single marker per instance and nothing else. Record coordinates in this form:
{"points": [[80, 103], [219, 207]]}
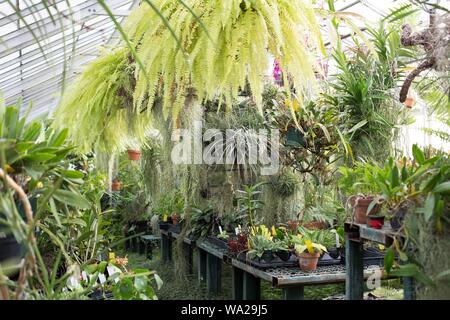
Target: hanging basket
{"points": [[409, 103]]}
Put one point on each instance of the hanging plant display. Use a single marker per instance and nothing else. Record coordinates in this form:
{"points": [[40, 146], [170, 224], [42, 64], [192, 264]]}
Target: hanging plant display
{"points": [[219, 54]]}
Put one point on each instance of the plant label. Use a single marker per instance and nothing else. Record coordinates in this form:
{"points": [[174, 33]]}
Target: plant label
{"points": [[101, 278]]}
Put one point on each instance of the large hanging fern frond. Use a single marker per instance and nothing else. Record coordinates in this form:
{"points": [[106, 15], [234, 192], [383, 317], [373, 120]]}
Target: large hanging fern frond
{"points": [[99, 106], [241, 35]]}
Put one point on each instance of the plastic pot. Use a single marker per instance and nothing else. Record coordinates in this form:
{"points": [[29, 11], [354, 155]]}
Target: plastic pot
{"points": [[295, 138], [375, 221], [283, 255], [360, 206], [335, 253], [267, 256], [308, 261], [134, 155]]}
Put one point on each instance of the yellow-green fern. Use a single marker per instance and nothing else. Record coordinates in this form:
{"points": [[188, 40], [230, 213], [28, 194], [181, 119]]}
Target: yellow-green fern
{"points": [[98, 107], [240, 36]]}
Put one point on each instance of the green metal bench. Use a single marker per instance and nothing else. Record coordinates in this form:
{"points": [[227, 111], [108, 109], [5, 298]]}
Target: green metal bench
{"points": [[210, 258], [246, 279], [355, 235]]}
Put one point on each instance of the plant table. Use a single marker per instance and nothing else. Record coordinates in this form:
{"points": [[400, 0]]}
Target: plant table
{"points": [[166, 246], [210, 264], [355, 235], [167, 238], [290, 279], [147, 241]]}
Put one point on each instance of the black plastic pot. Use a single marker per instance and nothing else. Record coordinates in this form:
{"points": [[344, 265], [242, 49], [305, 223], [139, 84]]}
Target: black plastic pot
{"points": [[164, 225], [10, 249], [295, 138], [283, 255], [335, 253], [267, 256]]}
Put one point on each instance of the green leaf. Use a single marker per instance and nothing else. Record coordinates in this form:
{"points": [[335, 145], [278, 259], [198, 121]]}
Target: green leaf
{"points": [[60, 138], [389, 260], [38, 157], [158, 280], [394, 177], [71, 174], [429, 206], [71, 199], [102, 266], [443, 274], [418, 154], [411, 270], [442, 188]]}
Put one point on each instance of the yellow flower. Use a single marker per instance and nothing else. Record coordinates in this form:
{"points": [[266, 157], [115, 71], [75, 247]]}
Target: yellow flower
{"points": [[9, 169], [165, 218], [309, 246], [292, 104], [39, 185], [274, 232]]}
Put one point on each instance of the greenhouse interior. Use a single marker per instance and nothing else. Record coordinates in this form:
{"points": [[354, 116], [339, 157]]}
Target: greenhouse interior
{"points": [[224, 150]]}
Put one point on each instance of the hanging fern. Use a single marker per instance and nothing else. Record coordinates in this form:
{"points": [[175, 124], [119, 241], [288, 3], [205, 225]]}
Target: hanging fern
{"points": [[240, 34], [99, 106]]}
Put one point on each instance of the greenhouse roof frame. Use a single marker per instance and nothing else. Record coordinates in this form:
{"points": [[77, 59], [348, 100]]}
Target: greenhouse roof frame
{"points": [[38, 58]]}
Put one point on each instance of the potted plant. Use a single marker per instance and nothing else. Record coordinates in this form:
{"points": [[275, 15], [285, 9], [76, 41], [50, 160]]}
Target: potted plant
{"points": [[281, 249], [260, 247], [308, 254], [363, 206], [134, 154], [281, 244]]}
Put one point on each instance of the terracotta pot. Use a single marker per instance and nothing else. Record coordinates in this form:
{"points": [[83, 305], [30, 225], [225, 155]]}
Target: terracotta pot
{"points": [[174, 219], [116, 185], [134, 155], [409, 103], [375, 222], [308, 261], [360, 206]]}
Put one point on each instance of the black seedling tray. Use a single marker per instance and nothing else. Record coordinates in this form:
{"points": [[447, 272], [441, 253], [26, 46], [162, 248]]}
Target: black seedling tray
{"points": [[275, 263], [326, 260], [218, 242]]}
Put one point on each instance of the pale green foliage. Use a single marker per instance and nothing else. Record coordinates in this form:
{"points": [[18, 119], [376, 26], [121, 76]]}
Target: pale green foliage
{"points": [[98, 107], [219, 62]]}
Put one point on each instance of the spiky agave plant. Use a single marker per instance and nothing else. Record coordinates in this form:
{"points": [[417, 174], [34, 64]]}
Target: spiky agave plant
{"points": [[98, 108], [219, 48]]}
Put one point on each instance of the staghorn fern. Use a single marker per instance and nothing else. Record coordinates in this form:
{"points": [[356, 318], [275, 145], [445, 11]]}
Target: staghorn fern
{"points": [[220, 61], [99, 106]]}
